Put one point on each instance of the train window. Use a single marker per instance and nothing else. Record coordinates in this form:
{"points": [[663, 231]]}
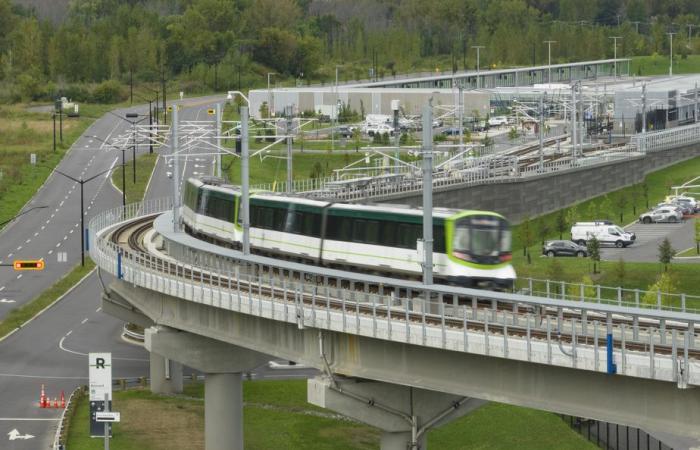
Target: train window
{"points": [[408, 235], [267, 218], [359, 230], [311, 224], [388, 234], [438, 239], [279, 218], [293, 223], [372, 232]]}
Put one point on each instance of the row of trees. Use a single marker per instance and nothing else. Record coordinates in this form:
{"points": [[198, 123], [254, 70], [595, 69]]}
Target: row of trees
{"points": [[235, 42]]}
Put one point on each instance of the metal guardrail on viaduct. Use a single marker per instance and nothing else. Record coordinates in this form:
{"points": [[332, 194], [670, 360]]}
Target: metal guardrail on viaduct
{"points": [[380, 341]]}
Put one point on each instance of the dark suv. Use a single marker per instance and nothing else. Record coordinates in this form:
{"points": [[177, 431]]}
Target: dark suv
{"points": [[564, 248]]}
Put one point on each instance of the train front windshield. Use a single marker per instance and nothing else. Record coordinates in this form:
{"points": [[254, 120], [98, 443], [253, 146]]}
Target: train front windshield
{"points": [[482, 240]]}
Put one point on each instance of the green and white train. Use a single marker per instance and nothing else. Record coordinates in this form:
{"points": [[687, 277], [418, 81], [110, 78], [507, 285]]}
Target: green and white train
{"points": [[471, 248]]}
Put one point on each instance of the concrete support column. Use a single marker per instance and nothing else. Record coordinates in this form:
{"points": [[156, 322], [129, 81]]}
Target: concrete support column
{"points": [[400, 441], [397, 410], [166, 375], [223, 411]]}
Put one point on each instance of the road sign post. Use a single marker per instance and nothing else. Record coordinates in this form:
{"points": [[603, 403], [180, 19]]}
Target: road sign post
{"points": [[100, 384]]}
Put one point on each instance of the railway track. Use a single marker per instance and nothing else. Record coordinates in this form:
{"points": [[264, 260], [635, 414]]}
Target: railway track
{"points": [[130, 238]]}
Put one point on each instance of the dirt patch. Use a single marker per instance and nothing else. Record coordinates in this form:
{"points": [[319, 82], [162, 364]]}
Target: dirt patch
{"points": [[147, 421]]}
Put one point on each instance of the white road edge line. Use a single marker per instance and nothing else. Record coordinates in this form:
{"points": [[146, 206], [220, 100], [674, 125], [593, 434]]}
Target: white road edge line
{"points": [[71, 289]]}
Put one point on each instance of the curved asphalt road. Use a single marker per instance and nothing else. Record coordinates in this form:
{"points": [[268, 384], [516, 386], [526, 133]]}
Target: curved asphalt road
{"points": [[52, 349]]}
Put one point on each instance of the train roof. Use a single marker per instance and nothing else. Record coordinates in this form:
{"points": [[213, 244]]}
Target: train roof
{"points": [[219, 184]]}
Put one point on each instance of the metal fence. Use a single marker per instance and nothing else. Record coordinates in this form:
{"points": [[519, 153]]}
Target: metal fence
{"points": [[507, 325], [609, 295], [611, 436], [667, 139]]}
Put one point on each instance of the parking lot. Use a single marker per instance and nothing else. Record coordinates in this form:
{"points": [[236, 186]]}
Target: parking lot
{"points": [[646, 247]]}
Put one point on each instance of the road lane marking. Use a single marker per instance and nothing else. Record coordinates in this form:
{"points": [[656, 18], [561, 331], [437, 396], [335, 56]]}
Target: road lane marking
{"points": [[16, 375], [2, 288], [27, 419], [69, 333], [84, 320]]}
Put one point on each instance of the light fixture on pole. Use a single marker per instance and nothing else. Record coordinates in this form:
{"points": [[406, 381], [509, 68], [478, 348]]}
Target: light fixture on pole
{"points": [[478, 48], [245, 172], [615, 38], [270, 107], [670, 67], [549, 63]]}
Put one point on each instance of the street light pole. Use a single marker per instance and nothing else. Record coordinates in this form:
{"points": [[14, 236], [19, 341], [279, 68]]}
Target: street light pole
{"points": [[271, 110], [245, 207], [615, 38], [427, 151], [670, 67], [54, 132], [82, 207], [218, 139], [549, 64], [176, 171], [478, 48]]}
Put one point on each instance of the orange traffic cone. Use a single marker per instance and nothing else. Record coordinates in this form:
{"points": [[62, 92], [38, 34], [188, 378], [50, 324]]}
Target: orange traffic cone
{"points": [[63, 400], [42, 398], [55, 402]]}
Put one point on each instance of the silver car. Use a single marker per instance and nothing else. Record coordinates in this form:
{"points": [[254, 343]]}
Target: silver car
{"points": [[662, 214]]}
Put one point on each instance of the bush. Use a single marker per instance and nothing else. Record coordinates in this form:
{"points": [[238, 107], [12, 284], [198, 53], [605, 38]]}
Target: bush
{"points": [[109, 91], [75, 92]]}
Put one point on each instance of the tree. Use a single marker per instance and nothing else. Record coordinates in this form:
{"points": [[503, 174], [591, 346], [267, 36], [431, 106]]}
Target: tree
{"points": [[620, 272], [645, 192], [663, 290], [606, 207], [593, 210], [561, 223], [572, 214], [620, 203], [526, 237], [634, 195], [666, 253], [555, 272], [593, 246], [542, 229]]}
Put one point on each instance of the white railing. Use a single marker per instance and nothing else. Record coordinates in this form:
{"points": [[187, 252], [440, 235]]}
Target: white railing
{"points": [[654, 141], [441, 316]]}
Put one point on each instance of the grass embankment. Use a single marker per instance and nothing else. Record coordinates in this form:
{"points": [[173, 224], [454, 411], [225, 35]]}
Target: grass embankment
{"points": [[18, 316], [628, 202], [658, 65], [277, 416], [22, 133], [144, 168]]}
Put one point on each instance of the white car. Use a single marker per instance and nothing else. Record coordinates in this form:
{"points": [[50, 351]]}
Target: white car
{"points": [[663, 214], [498, 121], [604, 231]]}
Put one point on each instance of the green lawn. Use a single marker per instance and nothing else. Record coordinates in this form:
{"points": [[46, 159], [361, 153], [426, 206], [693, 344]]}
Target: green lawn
{"points": [[18, 316], [23, 133], [610, 206], [281, 406], [659, 65], [144, 168]]}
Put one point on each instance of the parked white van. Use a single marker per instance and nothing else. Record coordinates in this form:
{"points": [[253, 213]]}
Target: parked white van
{"points": [[605, 231]]}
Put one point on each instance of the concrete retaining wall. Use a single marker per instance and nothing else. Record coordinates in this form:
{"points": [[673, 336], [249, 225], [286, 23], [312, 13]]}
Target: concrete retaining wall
{"points": [[535, 196]]}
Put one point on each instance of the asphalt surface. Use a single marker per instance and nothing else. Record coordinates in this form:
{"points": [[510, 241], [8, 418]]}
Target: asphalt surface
{"points": [[52, 349], [646, 247]]}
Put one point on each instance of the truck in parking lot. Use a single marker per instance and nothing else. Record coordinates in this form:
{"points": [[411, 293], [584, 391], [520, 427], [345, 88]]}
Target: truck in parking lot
{"points": [[604, 231]]}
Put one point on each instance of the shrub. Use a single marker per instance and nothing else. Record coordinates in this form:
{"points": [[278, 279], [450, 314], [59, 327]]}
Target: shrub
{"points": [[109, 91]]}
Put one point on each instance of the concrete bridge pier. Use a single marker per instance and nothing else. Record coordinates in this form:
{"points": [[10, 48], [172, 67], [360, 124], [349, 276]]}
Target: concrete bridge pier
{"points": [[223, 365], [166, 375], [403, 413]]}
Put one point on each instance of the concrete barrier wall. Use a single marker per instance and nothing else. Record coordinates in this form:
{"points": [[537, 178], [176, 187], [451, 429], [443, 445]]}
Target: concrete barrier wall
{"points": [[535, 196]]}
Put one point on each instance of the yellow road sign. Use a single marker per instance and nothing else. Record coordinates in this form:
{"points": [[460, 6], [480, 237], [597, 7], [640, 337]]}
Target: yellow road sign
{"points": [[32, 264]]}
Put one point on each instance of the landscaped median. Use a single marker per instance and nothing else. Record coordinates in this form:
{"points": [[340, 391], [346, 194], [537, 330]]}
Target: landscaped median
{"points": [[276, 416], [144, 168], [18, 317]]}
